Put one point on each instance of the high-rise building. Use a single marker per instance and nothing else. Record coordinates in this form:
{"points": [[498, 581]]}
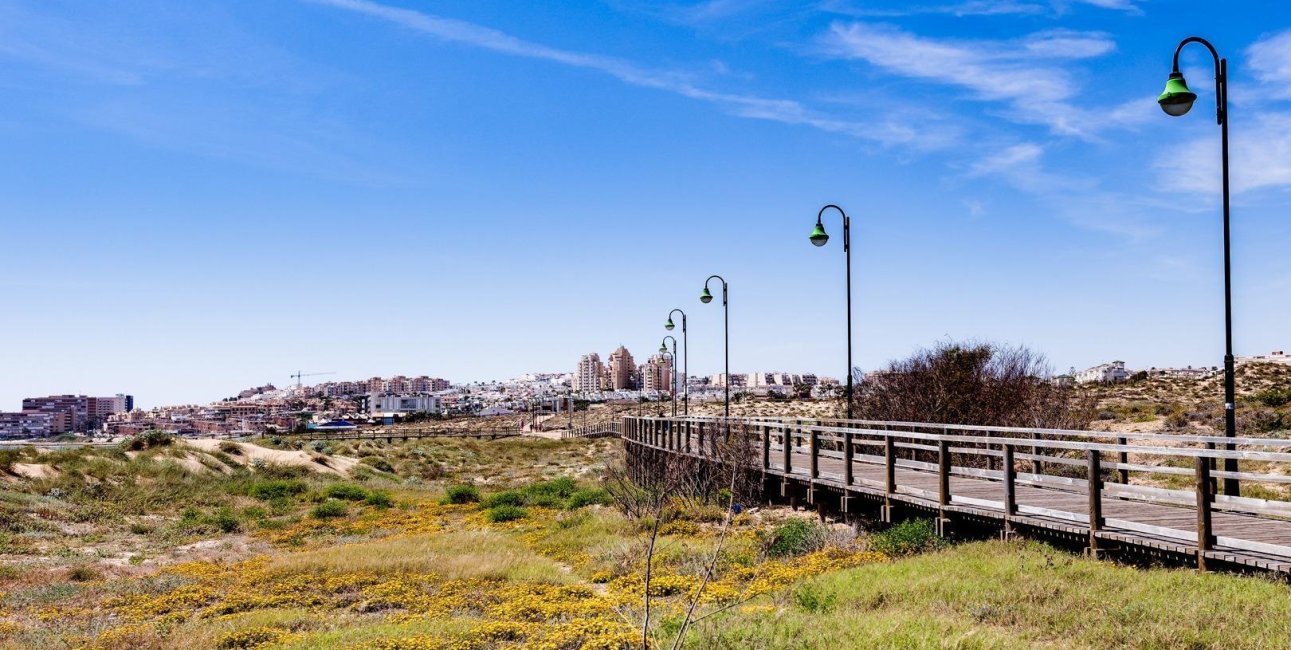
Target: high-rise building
{"points": [[71, 412], [587, 379], [623, 370], [26, 425], [656, 373]]}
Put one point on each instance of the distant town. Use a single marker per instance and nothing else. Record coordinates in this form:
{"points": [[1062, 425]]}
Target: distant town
{"points": [[618, 379]]}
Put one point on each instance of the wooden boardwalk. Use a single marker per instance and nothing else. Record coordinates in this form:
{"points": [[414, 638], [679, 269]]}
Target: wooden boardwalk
{"points": [[1017, 480], [390, 435]]}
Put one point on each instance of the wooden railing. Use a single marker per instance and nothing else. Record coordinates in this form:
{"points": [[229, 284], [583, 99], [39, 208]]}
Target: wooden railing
{"points": [[983, 469], [606, 430]]}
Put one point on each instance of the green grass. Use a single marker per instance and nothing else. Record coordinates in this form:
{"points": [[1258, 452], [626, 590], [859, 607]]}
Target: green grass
{"points": [[1012, 595]]}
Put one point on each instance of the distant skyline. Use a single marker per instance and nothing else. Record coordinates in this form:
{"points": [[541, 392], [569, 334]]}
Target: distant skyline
{"points": [[202, 197]]}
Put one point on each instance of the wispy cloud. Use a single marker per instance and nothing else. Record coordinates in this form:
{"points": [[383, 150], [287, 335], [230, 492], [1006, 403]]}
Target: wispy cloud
{"points": [[975, 8], [1270, 60], [1024, 74], [887, 131]]}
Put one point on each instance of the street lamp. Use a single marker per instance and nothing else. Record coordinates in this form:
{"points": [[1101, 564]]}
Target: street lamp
{"points": [[685, 358], [663, 349], [1176, 101], [707, 297], [819, 238]]}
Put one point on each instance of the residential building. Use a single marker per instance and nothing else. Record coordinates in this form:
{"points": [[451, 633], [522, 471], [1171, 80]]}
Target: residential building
{"points": [[738, 380], [71, 412], [1103, 373], [26, 425], [656, 374], [623, 370], [390, 404], [587, 378]]}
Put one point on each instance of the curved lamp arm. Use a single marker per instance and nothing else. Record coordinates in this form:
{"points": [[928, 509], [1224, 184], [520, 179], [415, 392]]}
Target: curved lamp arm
{"points": [[683, 320], [847, 225], [664, 342], [710, 279], [1221, 92]]}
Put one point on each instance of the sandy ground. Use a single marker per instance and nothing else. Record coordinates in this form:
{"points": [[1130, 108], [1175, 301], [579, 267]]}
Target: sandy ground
{"points": [[335, 464], [33, 470]]}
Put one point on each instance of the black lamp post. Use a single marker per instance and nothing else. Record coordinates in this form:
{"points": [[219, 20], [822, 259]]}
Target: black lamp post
{"points": [[685, 358], [707, 297], [1176, 101], [819, 238], [663, 349]]}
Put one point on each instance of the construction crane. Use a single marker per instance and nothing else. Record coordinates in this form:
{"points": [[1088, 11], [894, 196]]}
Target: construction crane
{"points": [[300, 374]]}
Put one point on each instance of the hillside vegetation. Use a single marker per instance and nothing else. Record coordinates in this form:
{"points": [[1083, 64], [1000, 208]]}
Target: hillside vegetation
{"points": [[515, 544]]}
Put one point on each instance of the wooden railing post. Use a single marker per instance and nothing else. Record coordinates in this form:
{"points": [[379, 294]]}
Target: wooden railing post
{"points": [[943, 472], [786, 439], [688, 436], [1123, 458], [766, 447], [1095, 480], [847, 454], [889, 476], [1035, 456], [943, 486], [814, 438], [1010, 486], [1205, 535]]}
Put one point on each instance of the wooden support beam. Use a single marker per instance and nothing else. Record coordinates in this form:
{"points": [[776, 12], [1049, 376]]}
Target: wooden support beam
{"points": [[814, 439], [1205, 490], [1095, 480], [847, 456]]}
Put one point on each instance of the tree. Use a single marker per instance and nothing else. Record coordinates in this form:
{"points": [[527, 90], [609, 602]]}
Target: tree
{"points": [[975, 384]]}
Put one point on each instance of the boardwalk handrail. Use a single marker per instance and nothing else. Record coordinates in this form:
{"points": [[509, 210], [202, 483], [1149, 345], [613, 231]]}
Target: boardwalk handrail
{"points": [[819, 450]]}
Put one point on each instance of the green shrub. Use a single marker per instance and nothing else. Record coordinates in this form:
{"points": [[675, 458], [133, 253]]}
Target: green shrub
{"points": [[225, 520], [83, 573], [1274, 397], [329, 510], [377, 463], [796, 536], [275, 489], [907, 538], [504, 512], [378, 500], [7, 458], [811, 599], [587, 497], [503, 498], [231, 448], [346, 491], [460, 494], [147, 439]]}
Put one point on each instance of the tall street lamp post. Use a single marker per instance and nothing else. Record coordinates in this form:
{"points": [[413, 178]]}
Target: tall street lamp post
{"points": [[685, 358], [707, 297], [663, 349], [1176, 101], [819, 238]]}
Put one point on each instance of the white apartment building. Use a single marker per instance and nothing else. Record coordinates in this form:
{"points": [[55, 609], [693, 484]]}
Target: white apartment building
{"points": [[390, 404], [587, 378], [1103, 373]]}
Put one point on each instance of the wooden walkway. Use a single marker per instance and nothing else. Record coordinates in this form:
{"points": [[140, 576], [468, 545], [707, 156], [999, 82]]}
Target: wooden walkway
{"points": [[390, 435], [1016, 479]]}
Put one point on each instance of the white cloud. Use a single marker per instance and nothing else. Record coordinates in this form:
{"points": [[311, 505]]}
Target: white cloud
{"points": [[1128, 6], [1270, 60], [976, 8], [883, 130], [1259, 159], [1013, 72]]}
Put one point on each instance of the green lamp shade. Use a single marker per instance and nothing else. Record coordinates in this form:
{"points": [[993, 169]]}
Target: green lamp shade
{"points": [[668, 325], [1177, 99], [818, 236], [662, 348], [706, 297]]}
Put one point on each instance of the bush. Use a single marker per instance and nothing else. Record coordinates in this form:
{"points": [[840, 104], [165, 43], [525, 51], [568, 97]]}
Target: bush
{"points": [[275, 489], [225, 520], [329, 510], [83, 574], [231, 448], [147, 439], [587, 497], [378, 500], [796, 537], [503, 498], [346, 491], [460, 494], [1274, 397], [907, 538], [812, 600], [504, 512]]}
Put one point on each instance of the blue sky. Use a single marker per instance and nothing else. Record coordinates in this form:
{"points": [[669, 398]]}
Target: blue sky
{"points": [[197, 197]]}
